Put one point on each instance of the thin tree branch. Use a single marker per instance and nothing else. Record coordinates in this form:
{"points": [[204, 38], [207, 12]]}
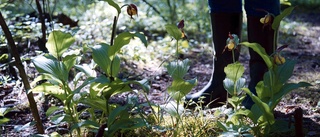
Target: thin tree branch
{"points": [[23, 75], [155, 9], [43, 26]]}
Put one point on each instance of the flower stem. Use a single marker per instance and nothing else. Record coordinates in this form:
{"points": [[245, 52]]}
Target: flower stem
{"points": [[177, 50], [233, 57], [275, 33], [114, 27]]}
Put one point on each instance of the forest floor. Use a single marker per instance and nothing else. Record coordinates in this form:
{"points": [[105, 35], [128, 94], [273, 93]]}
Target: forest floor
{"points": [[303, 38]]}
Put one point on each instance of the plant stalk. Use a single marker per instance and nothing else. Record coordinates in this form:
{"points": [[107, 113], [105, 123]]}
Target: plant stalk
{"points": [[114, 27], [275, 35]]}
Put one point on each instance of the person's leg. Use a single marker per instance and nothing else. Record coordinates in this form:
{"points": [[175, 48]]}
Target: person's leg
{"points": [[226, 16], [259, 34]]}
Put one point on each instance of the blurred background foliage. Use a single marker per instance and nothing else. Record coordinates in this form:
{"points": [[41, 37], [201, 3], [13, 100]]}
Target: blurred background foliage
{"points": [[96, 18]]}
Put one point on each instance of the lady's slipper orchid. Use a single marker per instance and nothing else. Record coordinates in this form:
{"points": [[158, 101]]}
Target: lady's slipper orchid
{"points": [[278, 59], [232, 42], [132, 10], [181, 26], [267, 20]]}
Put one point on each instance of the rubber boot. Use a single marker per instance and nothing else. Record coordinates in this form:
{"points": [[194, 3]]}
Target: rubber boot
{"points": [[214, 92], [263, 35]]}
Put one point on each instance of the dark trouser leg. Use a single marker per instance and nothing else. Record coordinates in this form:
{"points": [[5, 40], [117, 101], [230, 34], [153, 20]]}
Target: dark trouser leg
{"points": [[222, 24], [259, 34]]}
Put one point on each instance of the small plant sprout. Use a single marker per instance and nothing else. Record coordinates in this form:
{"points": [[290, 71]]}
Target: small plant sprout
{"points": [[177, 70]]}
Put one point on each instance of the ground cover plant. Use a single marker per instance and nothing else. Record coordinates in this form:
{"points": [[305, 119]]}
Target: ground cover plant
{"points": [[83, 80]]}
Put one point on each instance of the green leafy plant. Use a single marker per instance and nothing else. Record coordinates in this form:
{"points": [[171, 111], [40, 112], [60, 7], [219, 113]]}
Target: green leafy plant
{"points": [[55, 67], [270, 90], [177, 70], [3, 112]]}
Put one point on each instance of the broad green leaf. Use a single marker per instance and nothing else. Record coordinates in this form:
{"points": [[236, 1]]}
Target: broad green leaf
{"points": [[101, 57], [135, 123], [245, 112], [119, 111], [285, 90], [180, 88], [97, 88], [85, 83], [51, 110], [53, 67], [257, 113], [115, 66], [115, 5], [262, 91], [142, 37], [144, 84], [69, 61], [96, 103], [126, 124], [261, 51], [4, 120], [51, 89], [178, 69], [264, 108], [223, 126], [121, 40], [58, 43], [41, 78], [115, 87], [173, 109], [285, 2], [57, 119], [240, 84], [87, 123], [234, 119], [234, 71], [90, 72], [271, 82], [235, 100], [230, 87], [284, 71], [277, 19], [19, 128], [4, 111], [174, 31], [48, 88]]}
